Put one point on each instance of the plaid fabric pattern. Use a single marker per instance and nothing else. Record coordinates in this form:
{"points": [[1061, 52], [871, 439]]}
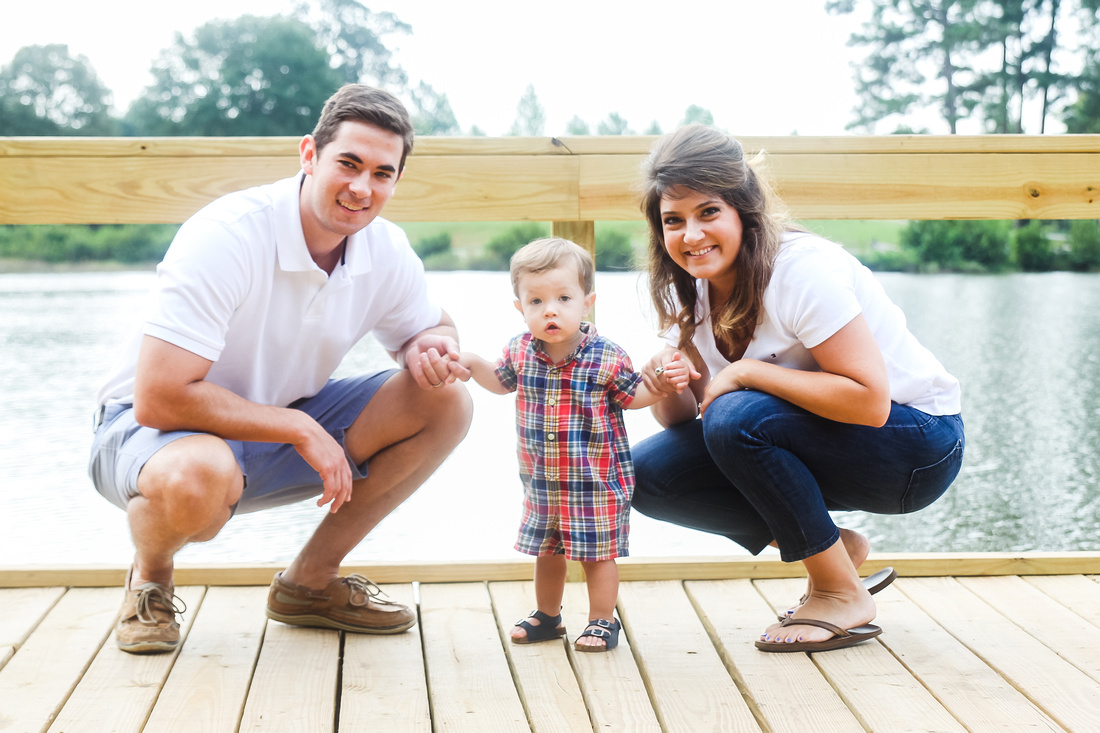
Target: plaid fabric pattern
{"points": [[574, 455]]}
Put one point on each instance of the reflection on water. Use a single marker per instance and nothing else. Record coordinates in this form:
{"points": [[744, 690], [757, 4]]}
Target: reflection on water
{"points": [[1026, 348]]}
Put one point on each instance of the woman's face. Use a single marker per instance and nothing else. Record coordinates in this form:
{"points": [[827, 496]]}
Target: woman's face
{"points": [[702, 235]]}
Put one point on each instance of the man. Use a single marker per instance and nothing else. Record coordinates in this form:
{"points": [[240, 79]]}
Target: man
{"points": [[223, 403]]}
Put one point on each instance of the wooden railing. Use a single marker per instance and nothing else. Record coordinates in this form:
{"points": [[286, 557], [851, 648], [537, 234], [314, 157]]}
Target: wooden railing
{"points": [[570, 181]]}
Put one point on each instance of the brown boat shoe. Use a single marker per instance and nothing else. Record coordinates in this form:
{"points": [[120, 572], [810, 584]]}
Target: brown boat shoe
{"points": [[147, 622], [349, 604]]}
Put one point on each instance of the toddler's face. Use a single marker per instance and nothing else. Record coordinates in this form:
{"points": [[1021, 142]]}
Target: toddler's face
{"points": [[553, 304]]}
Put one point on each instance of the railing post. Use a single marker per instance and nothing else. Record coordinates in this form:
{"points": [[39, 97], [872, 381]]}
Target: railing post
{"points": [[584, 234], [581, 232]]}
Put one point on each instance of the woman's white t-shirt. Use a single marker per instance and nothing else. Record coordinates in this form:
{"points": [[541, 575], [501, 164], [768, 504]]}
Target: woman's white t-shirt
{"points": [[816, 288]]}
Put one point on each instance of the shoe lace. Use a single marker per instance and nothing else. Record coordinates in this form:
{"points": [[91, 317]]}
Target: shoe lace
{"points": [[150, 594], [361, 584]]}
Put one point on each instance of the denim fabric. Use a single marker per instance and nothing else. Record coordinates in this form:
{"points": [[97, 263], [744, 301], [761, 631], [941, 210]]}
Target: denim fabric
{"points": [[758, 468]]}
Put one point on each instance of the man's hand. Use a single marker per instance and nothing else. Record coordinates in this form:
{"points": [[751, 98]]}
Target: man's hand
{"points": [[327, 457], [433, 361]]}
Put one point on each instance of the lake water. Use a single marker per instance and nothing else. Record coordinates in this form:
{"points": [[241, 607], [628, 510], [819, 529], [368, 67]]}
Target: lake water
{"points": [[1026, 348]]}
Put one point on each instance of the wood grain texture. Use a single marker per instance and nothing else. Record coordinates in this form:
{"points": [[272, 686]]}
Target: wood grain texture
{"points": [[155, 180]]}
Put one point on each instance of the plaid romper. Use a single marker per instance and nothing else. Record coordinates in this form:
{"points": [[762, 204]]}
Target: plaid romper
{"points": [[574, 456]]}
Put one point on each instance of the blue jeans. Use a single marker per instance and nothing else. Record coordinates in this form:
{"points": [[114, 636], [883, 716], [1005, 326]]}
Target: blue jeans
{"points": [[758, 468]]}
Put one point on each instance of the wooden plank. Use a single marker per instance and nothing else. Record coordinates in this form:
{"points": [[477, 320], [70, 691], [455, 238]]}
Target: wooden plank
{"points": [[1076, 592], [118, 690], [690, 687], [39, 678], [21, 610], [630, 568], [787, 691], [1070, 636], [610, 682], [468, 677], [888, 186], [973, 692], [383, 686], [1065, 693], [294, 687], [878, 689], [160, 180], [209, 681], [486, 188], [578, 145], [544, 677]]}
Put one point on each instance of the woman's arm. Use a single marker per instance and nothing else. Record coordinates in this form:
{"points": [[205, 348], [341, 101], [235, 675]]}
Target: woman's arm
{"points": [[851, 388]]}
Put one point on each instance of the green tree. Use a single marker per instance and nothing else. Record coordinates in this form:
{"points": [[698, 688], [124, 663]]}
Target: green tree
{"points": [[530, 116], [911, 43], [954, 245], [1083, 115], [1034, 251], [577, 126], [499, 250], [1084, 244], [613, 250], [47, 91], [653, 129], [249, 76], [355, 39], [696, 114], [431, 112], [960, 57], [613, 125]]}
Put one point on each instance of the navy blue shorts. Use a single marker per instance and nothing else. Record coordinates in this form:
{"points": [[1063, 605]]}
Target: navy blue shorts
{"points": [[274, 473]]}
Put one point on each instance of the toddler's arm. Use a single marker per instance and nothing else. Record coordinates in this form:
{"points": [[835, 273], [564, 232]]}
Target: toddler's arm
{"points": [[483, 372]]}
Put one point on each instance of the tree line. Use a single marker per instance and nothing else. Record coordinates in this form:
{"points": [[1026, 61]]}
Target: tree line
{"points": [[1007, 66]]}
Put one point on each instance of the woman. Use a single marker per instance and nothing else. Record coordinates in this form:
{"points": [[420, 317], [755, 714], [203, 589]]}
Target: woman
{"points": [[814, 395]]}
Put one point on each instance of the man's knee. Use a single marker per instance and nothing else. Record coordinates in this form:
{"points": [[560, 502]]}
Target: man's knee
{"points": [[194, 478], [402, 409]]}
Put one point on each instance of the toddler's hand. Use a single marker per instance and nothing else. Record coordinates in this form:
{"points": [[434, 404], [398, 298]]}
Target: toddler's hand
{"points": [[675, 373]]}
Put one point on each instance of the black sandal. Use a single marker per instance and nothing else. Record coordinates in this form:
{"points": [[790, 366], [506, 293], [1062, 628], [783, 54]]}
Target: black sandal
{"points": [[600, 628], [550, 627]]}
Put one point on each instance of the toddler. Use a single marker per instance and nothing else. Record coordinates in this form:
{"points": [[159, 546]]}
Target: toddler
{"points": [[571, 387]]}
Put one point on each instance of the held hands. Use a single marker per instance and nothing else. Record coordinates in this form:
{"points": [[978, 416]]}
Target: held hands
{"points": [[669, 375], [433, 361]]}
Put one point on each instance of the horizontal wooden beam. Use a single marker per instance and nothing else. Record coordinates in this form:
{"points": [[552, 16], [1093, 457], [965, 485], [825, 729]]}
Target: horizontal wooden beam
{"points": [[157, 180], [669, 568]]}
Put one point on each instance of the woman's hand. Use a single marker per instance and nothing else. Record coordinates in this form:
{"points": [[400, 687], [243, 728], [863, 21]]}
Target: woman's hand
{"points": [[669, 372], [679, 381], [733, 378]]}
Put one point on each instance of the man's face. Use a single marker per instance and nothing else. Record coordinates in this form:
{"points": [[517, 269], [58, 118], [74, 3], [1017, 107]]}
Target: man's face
{"points": [[349, 180]]}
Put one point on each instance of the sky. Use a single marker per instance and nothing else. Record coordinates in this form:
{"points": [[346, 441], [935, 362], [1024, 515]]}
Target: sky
{"points": [[761, 67]]}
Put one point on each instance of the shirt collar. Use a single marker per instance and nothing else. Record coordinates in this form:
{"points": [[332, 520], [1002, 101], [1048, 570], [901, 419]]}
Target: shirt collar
{"points": [[290, 239]]}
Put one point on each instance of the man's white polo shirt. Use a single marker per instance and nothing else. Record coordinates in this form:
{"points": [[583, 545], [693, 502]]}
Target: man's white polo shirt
{"points": [[238, 287]]}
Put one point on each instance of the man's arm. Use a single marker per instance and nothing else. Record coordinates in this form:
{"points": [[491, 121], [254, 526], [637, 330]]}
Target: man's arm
{"points": [[171, 393]]}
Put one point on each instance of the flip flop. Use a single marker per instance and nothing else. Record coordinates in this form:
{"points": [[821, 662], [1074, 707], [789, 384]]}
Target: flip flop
{"points": [[550, 627], [873, 583], [841, 638]]}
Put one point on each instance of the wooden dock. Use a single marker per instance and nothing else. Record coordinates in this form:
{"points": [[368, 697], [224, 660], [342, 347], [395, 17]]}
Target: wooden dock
{"points": [[1000, 650]]}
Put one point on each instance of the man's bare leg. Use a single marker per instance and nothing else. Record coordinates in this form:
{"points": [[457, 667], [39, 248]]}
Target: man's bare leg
{"points": [[405, 432], [187, 489]]}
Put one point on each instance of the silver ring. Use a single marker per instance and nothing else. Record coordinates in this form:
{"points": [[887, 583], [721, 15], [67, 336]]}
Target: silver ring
{"points": [[437, 384], [659, 371]]}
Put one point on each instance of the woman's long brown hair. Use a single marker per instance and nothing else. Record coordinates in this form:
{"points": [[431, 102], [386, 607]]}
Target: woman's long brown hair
{"points": [[705, 160]]}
